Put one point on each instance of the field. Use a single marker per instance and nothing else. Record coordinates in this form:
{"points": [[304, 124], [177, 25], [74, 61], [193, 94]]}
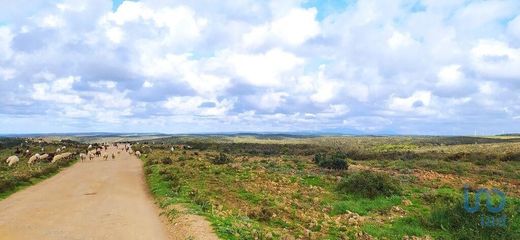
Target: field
{"points": [[280, 187], [22, 174]]}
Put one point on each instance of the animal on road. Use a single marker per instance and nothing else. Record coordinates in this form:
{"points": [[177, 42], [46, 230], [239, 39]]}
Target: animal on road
{"points": [[60, 156], [82, 157]]}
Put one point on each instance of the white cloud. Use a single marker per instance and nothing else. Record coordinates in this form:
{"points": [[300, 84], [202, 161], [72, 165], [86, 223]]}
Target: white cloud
{"points": [[7, 73], [265, 70], [450, 76], [271, 100], [514, 27], [496, 59], [399, 40], [58, 91], [5, 43], [297, 26], [418, 102], [147, 84], [325, 92], [293, 29], [115, 34], [51, 21], [180, 22], [195, 105]]}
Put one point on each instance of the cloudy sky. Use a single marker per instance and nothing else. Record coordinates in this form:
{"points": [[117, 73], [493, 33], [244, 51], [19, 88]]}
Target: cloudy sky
{"points": [[399, 66]]}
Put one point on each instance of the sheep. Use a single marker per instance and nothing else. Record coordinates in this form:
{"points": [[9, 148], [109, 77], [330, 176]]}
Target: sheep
{"points": [[90, 156], [42, 149], [138, 154], [34, 158], [58, 150], [105, 156], [89, 146], [12, 160], [172, 149], [63, 148], [82, 157], [60, 156], [43, 157]]}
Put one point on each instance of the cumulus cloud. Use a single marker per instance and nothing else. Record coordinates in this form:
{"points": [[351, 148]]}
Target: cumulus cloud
{"points": [[6, 37], [496, 59], [369, 66], [293, 28]]}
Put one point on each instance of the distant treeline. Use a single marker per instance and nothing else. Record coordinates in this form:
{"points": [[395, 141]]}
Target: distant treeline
{"points": [[356, 153]]}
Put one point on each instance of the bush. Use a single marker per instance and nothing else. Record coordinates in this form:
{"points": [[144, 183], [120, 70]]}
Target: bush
{"points": [[510, 157], [262, 213], [201, 200], [452, 217], [221, 159], [336, 161], [370, 184], [166, 160]]}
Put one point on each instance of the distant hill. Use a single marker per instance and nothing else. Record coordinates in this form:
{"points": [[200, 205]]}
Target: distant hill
{"points": [[510, 135]]}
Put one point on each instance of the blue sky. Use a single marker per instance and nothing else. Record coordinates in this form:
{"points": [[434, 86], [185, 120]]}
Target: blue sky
{"points": [[398, 66]]}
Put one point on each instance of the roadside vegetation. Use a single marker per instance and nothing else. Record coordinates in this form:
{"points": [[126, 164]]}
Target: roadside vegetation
{"points": [[261, 187], [22, 174]]}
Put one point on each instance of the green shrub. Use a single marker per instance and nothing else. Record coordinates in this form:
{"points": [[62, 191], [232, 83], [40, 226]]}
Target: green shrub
{"points": [[319, 157], [453, 218], [370, 184], [201, 200], [336, 161], [221, 159], [510, 157]]}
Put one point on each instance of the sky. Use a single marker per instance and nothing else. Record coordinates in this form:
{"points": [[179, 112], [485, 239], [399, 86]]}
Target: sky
{"points": [[435, 67]]}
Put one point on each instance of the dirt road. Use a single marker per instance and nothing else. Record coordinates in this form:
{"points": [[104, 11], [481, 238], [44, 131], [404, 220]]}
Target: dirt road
{"points": [[91, 200]]}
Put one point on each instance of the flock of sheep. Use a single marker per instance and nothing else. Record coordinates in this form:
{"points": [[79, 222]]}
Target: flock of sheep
{"points": [[83, 156], [98, 152], [37, 157]]}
